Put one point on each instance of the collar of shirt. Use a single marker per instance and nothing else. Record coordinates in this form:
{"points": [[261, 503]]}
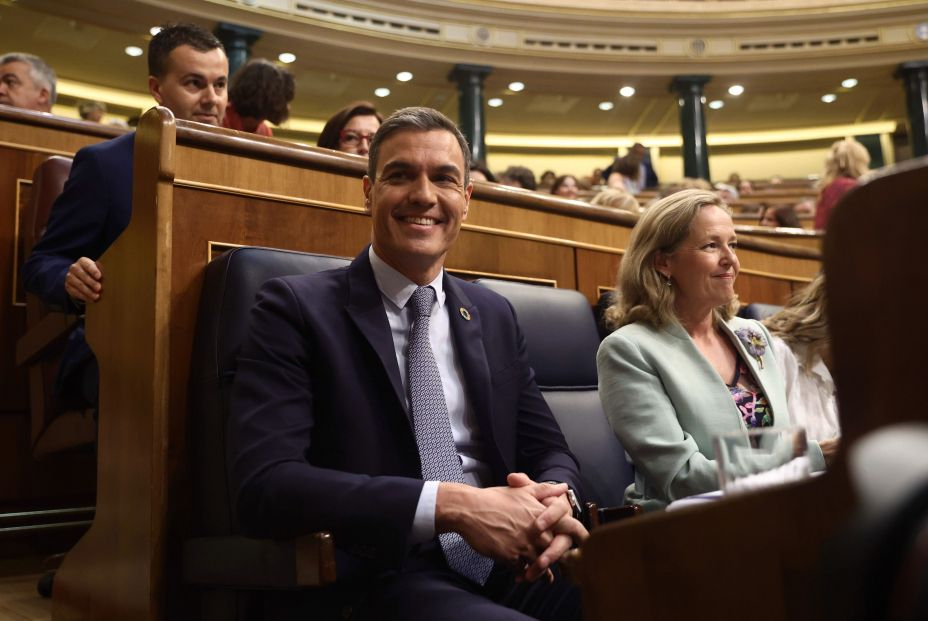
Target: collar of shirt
{"points": [[396, 288]]}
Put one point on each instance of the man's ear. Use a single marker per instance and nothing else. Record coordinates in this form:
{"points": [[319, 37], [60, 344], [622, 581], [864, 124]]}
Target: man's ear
{"points": [[45, 99], [154, 87], [467, 192], [367, 184]]}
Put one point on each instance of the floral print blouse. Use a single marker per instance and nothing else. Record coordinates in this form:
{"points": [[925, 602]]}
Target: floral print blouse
{"points": [[750, 399]]}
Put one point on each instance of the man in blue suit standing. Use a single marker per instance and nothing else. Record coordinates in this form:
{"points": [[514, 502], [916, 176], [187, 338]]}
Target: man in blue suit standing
{"points": [[188, 72], [393, 405]]}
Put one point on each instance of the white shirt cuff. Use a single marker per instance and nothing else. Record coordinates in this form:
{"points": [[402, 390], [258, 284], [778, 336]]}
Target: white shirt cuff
{"points": [[423, 524]]}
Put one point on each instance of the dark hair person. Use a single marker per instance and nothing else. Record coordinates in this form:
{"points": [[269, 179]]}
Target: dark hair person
{"points": [[780, 216], [681, 368], [351, 129], [259, 91]]}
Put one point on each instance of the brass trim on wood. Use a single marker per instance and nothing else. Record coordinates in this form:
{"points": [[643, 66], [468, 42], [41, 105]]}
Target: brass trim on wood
{"points": [[601, 289], [802, 279], [216, 248], [531, 280], [15, 283], [35, 149]]}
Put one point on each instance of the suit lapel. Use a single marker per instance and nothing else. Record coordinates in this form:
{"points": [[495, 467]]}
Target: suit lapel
{"points": [[467, 334], [365, 307]]}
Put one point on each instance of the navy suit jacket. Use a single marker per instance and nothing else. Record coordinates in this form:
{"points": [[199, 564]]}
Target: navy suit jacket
{"points": [[319, 435], [92, 211]]}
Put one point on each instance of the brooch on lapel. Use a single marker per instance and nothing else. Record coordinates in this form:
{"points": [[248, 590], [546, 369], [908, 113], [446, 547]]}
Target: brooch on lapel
{"points": [[465, 314], [754, 342]]}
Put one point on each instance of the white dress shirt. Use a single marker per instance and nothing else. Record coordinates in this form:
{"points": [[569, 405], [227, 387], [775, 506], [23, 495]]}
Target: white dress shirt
{"points": [[810, 392], [395, 290]]}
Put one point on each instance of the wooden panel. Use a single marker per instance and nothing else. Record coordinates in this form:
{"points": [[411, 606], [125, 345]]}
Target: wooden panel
{"points": [[596, 272]]}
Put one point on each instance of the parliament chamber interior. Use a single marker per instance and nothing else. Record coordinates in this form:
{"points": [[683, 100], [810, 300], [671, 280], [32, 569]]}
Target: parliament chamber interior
{"points": [[803, 122]]}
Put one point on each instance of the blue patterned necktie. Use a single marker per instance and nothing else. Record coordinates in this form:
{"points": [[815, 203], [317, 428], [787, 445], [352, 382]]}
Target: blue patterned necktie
{"points": [[432, 426]]}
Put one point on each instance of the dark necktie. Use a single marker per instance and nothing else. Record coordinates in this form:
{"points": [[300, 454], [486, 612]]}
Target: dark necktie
{"points": [[432, 426]]}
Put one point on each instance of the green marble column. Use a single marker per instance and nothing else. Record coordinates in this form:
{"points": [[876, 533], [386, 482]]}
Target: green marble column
{"points": [[471, 116], [915, 80], [689, 89], [238, 41]]}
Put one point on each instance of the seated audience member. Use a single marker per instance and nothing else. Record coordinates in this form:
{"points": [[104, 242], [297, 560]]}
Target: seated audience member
{"points": [[616, 199], [805, 207], [480, 172], [745, 187], [260, 91], [734, 179], [647, 177], [351, 129], [779, 216], [846, 162], [368, 403], [518, 177], [565, 186], [623, 175], [187, 73], [726, 192], [92, 111], [26, 81], [548, 179], [802, 346], [681, 367]]}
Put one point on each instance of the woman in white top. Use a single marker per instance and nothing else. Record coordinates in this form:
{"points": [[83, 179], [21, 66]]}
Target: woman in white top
{"points": [[802, 346]]}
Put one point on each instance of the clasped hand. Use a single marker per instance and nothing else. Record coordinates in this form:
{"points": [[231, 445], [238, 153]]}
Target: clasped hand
{"points": [[83, 282], [526, 525]]}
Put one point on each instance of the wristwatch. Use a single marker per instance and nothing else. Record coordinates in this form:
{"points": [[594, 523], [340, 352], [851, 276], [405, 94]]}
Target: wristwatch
{"points": [[575, 507]]}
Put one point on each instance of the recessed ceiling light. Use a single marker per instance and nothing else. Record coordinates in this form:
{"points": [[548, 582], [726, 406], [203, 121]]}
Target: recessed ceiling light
{"points": [[627, 91], [404, 76], [606, 105], [735, 89], [849, 83], [382, 91], [286, 57], [134, 50], [515, 87], [716, 104], [495, 102], [829, 98], [154, 30]]}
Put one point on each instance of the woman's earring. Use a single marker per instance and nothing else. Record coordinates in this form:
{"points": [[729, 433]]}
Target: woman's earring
{"points": [[667, 281]]}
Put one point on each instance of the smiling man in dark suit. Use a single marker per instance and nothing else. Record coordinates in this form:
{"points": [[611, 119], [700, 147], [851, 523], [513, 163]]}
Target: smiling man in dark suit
{"points": [[392, 404]]}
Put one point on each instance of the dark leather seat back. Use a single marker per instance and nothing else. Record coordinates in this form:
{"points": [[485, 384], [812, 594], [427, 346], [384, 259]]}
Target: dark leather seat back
{"points": [[562, 340], [759, 311], [230, 284], [47, 184]]}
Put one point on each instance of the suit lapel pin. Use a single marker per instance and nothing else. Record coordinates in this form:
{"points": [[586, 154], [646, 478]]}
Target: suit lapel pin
{"points": [[465, 314]]}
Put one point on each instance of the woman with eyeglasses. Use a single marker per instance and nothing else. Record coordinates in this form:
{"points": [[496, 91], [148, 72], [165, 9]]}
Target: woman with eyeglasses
{"points": [[351, 129]]}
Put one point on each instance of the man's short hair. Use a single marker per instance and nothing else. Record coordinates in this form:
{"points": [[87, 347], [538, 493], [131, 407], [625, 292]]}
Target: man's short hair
{"points": [[262, 90], [417, 119], [173, 36], [39, 71]]}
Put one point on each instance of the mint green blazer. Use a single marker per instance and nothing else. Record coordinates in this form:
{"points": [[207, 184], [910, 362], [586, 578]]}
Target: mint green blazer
{"points": [[666, 403]]}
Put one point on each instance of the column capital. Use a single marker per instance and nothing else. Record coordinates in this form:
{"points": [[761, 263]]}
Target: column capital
{"points": [[469, 74], [910, 67], [238, 41]]}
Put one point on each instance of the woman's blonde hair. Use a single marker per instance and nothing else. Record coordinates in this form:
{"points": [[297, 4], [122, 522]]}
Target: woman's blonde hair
{"points": [[617, 199], [804, 322], [643, 294], [847, 158]]}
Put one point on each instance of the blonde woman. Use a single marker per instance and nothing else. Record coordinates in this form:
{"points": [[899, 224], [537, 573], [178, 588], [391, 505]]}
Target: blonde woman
{"points": [[616, 199], [681, 368], [846, 162], [802, 346]]}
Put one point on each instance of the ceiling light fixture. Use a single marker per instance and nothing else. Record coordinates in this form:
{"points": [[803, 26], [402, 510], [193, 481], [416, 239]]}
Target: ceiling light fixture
{"points": [[286, 57], [716, 104], [134, 50], [516, 87], [605, 106], [382, 91], [627, 91], [735, 89], [849, 83], [495, 102], [404, 76], [829, 98]]}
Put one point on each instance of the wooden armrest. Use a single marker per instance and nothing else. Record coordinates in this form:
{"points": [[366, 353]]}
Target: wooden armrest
{"points": [[51, 330], [596, 516], [242, 562]]}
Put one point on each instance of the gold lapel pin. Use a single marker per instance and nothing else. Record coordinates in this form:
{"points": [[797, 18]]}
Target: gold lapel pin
{"points": [[465, 314]]}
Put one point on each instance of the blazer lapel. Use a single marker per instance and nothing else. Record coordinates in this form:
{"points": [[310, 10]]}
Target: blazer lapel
{"points": [[468, 344], [365, 307]]}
